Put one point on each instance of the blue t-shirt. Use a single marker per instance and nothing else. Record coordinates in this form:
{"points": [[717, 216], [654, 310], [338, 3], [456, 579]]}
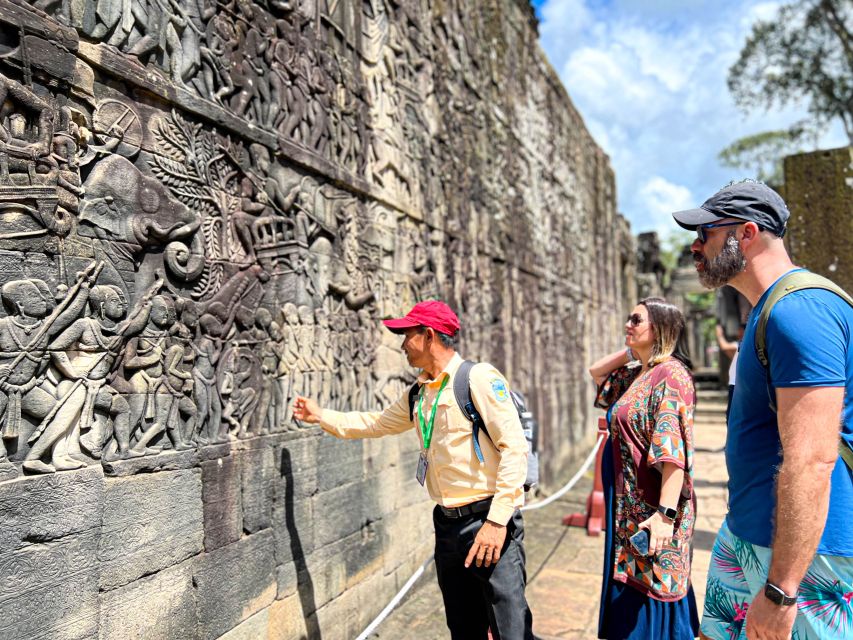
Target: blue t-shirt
{"points": [[808, 344]]}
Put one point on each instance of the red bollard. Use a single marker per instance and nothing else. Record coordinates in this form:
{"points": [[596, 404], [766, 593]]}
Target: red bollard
{"points": [[593, 519]]}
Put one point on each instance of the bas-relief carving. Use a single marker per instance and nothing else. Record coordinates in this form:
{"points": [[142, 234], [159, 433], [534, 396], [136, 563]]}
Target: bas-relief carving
{"points": [[196, 281]]}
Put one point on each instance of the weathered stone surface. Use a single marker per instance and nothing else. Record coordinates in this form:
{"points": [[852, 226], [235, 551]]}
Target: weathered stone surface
{"points": [[234, 583], [342, 511], [258, 472], [339, 462], [50, 590], [205, 213], [819, 194], [168, 461], [42, 508], [151, 522], [157, 607], [221, 495], [287, 619]]}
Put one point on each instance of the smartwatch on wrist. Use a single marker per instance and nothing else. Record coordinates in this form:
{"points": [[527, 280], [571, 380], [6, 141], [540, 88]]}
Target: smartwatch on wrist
{"points": [[667, 512], [777, 596]]}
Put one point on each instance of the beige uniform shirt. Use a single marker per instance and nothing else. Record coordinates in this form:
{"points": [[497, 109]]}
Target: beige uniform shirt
{"points": [[455, 476]]}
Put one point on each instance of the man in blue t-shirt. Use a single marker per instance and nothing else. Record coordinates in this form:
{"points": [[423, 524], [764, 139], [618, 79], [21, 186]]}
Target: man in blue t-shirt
{"points": [[782, 563]]}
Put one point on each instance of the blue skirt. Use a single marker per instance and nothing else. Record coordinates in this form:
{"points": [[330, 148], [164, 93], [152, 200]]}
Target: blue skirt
{"points": [[625, 613]]}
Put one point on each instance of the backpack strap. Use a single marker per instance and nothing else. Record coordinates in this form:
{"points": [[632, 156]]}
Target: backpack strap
{"points": [[462, 392], [414, 390], [796, 281]]}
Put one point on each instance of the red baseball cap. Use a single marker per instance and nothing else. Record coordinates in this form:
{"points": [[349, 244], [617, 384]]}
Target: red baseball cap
{"points": [[429, 313]]}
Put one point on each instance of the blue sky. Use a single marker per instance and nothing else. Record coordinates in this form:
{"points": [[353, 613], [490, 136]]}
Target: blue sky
{"points": [[649, 78]]}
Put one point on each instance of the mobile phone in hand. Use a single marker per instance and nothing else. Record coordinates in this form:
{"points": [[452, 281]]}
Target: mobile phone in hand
{"points": [[640, 542]]}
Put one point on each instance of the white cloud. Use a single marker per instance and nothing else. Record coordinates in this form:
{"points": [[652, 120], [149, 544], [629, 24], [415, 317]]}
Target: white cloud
{"points": [[649, 78], [661, 197]]}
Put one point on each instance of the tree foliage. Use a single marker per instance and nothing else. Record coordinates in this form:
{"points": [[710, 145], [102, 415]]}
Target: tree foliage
{"points": [[762, 153], [804, 53]]}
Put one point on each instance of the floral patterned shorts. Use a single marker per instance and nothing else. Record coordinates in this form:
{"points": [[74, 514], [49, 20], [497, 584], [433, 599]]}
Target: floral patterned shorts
{"points": [[738, 572]]}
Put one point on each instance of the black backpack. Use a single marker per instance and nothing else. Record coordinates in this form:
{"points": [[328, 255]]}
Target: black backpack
{"points": [[462, 391], [795, 281]]}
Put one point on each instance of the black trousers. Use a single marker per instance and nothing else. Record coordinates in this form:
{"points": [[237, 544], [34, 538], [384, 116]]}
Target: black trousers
{"points": [[478, 598]]}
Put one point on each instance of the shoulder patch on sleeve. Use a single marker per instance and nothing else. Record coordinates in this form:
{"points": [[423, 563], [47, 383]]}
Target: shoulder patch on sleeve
{"points": [[499, 389]]}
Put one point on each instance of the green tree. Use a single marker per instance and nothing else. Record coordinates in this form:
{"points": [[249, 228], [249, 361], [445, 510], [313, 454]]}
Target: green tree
{"points": [[762, 153], [803, 55]]}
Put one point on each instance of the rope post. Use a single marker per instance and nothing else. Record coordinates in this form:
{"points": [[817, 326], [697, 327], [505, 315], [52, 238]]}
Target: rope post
{"points": [[593, 518]]}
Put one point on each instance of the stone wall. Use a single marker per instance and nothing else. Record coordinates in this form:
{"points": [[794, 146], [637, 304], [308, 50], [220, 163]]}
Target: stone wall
{"points": [[819, 193], [206, 206]]}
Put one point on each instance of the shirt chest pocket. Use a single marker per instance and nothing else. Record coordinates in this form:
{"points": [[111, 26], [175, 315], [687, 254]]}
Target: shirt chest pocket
{"points": [[452, 429]]}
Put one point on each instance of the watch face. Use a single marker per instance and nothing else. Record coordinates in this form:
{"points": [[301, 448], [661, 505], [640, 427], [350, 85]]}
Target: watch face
{"points": [[774, 595], [668, 512], [777, 596]]}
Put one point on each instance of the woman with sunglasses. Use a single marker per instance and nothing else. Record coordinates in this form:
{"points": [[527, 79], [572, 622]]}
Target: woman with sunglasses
{"points": [[647, 470]]}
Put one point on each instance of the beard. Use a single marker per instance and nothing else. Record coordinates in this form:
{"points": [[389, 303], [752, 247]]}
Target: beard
{"points": [[724, 266]]}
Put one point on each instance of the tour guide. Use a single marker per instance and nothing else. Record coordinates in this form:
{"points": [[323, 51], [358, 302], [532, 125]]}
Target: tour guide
{"points": [[479, 551]]}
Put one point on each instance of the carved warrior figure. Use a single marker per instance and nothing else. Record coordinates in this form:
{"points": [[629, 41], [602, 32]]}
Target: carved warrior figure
{"points": [[158, 380], [85, 352], [25, 337]]}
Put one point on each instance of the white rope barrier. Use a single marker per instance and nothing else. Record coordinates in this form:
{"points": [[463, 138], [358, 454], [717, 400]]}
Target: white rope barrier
{"points": [[420, 571], [571, 483]]}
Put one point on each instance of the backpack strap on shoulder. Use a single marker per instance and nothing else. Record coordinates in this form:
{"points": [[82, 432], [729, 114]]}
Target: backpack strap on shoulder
{"points": [[414, 390], [462, 392], [788, 284], [796, 281]]}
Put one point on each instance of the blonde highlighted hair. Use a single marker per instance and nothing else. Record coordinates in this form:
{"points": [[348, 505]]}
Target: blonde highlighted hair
{"points": [[670, 333]]}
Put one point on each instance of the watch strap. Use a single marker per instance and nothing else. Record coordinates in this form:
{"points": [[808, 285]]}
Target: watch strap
{"points": [[668, 512], [777, 596]]}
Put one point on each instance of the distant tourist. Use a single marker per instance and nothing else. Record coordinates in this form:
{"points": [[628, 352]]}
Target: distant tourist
{"points": [[647, 471], [782, 564], [479, 551]]}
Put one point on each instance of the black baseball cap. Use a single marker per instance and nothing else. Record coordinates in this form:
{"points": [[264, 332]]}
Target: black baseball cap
{"points": [[751, 201]]}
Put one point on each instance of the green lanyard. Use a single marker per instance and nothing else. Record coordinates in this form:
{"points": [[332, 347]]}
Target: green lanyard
{"points": [[426, 428]]}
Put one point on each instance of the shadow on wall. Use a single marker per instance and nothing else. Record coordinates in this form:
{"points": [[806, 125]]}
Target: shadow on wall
{"points": [[304, 583]]}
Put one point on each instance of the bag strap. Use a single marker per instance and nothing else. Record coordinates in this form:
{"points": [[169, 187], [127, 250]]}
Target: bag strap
{"points": [[462, 391], [796, 281], [414, 390]]}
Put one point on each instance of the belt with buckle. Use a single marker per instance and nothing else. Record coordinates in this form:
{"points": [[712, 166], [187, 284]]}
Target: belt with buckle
{"points": [[466, 509]]}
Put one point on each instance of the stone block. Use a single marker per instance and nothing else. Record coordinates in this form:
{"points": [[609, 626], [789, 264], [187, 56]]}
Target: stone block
{"points": [[221, 497], [293, 528], [257, 473], [165, 461], [254, 628], [49, 591], [234, 582], [296, 464], [41, 508], [287, 619], [151, 522], [157, 607], [404, 531], [339, 462], [342, 511]]}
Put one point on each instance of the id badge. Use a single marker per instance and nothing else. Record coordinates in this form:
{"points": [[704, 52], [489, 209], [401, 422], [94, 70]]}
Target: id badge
{"points": [[422, 468]]}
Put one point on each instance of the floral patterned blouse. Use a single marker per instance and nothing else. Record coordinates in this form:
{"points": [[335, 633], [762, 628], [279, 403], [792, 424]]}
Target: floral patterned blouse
{"points": [[651, 423]]}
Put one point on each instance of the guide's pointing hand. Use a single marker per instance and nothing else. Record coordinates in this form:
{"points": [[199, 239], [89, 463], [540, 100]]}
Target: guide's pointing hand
{"points": [[306, 410]]}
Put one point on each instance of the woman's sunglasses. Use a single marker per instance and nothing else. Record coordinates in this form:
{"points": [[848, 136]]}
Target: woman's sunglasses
{"points": [[636, 319]]}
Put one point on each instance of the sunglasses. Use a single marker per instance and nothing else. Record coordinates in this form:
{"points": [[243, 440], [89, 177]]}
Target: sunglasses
{"points": [[636, 319], [700, 230]]}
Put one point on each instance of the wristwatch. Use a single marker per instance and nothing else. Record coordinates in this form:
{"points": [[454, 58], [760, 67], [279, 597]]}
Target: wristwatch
{"points": [[777, 596], [667, 512]]}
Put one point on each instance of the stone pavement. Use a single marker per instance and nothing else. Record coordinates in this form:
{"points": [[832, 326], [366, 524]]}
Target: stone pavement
{"points": [[564, 564]]}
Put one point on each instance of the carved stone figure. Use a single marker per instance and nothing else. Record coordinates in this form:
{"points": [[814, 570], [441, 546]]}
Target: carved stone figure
{"points": [[25, 336], [157, 380], [87, 403]]}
